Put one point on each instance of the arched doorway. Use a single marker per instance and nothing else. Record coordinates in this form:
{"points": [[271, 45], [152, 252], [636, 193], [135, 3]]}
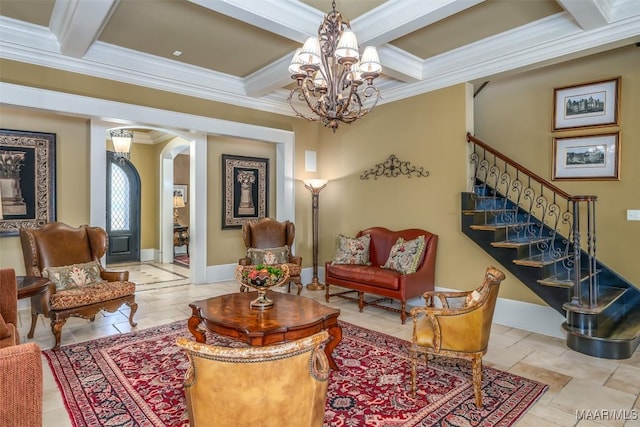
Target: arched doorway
{"points": [[123, 210]]}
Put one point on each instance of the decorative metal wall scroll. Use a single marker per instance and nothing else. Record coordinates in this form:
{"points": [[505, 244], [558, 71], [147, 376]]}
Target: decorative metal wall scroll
{"points": [[393, 167]]}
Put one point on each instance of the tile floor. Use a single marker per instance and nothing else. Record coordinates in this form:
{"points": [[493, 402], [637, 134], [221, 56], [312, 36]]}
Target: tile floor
{"points": [[606, 392]]}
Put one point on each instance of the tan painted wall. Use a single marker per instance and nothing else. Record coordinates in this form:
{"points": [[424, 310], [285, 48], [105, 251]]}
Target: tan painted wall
{"points": [[426, 130], [515, 116], [226, 246], [145, 159], [72, 170]]}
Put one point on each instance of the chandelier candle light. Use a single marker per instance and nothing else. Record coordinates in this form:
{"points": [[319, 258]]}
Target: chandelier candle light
{"points": [[315, 185], [330, 73]]}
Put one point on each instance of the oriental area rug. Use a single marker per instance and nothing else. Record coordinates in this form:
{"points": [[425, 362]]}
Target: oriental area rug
{"points": [[135, 379]]}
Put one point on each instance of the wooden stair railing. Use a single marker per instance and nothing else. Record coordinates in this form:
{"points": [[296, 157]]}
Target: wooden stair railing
{"points": [[552, 206], [553, 234]]}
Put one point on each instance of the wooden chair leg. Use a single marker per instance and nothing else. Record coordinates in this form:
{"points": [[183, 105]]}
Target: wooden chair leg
{"points": [[133, 308], [360, 301], [34, 321], [476, 364], [56, 329]]}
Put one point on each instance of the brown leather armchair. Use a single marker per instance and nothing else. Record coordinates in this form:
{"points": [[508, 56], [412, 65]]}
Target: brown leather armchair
{"points": [[56, 245], [271, 386], [20, 364], [458, 327], [267, 233]]}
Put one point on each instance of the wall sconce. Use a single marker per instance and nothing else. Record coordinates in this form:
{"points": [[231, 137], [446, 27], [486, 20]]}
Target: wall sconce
{"points": [[178, 202], [121, 139], [315, 185]]}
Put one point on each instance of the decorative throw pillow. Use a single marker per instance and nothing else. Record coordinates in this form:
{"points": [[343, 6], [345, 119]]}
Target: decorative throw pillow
{"points": [[4, 329], [352, 250], [73, 276], [269, 256], [405, 255]]}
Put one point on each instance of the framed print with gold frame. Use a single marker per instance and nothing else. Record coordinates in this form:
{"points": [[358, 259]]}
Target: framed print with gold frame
{"points": [[594, 157], [585, 105]]}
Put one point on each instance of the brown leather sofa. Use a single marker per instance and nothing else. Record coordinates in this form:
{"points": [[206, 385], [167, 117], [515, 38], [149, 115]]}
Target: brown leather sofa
{"points": [[20, 364], [387, 283]]}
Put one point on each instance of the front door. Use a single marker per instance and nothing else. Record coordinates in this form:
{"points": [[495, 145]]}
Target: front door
{"points": [[123, 210]]}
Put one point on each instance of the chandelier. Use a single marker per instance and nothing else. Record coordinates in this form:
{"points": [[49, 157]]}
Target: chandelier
{"points": [[330, 74]]}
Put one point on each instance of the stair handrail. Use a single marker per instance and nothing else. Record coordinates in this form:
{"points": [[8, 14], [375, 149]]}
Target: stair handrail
{"points": [[576, 298], [518, 166]]}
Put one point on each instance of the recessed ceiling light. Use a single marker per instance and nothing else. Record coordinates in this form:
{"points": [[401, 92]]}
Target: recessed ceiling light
{"points": [[177, 53]]}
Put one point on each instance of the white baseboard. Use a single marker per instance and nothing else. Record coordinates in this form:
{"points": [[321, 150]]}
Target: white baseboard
{"points": [[529, 317], [149, 255]]}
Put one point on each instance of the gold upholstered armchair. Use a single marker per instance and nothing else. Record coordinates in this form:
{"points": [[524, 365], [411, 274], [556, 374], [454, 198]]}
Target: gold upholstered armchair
{"points": [[456, 324], [20, 364], [269, 242], [271, 386], [70, 258]]}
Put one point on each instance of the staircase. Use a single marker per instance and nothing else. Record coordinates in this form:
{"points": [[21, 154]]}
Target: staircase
{"points": [[547, 239]]}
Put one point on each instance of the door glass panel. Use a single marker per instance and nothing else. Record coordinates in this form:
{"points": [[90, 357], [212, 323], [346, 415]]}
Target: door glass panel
{"points": [[120, 208]]}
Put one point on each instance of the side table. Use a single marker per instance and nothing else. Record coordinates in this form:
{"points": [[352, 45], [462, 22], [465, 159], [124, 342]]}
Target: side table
{"points": [[36, 288], [180, 237]]}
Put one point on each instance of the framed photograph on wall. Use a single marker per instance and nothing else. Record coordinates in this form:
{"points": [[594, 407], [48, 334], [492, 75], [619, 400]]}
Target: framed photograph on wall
{"points": [[595, 157], [245, 189], [181, 190], [27, 180], [586, 105]]}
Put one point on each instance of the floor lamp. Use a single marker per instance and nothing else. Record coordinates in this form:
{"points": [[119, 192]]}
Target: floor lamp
{"points": [[315, 185]]}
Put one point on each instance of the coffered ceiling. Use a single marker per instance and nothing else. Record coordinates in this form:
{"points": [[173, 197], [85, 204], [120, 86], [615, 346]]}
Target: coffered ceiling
{"points": [[238, 51]]}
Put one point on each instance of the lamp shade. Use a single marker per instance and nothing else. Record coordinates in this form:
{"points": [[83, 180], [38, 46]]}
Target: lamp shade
{"points": [[370, 62], [315, 183], [310, 52], [347, 48], [296, 61], [121, 139], [178, 201]]}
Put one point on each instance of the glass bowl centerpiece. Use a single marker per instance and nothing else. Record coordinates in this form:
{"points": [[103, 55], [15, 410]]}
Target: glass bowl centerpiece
{"points": [[262, 277]]}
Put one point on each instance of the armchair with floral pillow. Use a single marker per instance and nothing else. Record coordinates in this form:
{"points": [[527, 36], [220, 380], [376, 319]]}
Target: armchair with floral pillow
{"points": [[71, 258], [269, 242]]}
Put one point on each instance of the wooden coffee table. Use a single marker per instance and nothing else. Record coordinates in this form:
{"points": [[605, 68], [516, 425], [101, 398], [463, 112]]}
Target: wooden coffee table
{"points": [[292, 317]]}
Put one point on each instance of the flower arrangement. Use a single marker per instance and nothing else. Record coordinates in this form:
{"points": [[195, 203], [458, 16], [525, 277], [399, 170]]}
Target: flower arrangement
{"points": [[262, 275]]}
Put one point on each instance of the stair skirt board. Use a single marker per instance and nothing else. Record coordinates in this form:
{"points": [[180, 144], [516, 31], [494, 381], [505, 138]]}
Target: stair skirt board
{"points": [[609, 329]]}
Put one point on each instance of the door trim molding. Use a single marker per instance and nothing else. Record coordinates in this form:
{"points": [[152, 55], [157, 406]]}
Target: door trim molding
{"points": [[104, 114]]}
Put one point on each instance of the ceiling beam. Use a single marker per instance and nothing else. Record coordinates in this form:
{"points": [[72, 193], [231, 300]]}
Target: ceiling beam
{"points": [[589, 14], [77, 24]]}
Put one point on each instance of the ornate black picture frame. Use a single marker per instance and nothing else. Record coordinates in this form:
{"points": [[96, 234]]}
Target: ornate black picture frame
{"points": [[27, 180], [245, 189]]}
